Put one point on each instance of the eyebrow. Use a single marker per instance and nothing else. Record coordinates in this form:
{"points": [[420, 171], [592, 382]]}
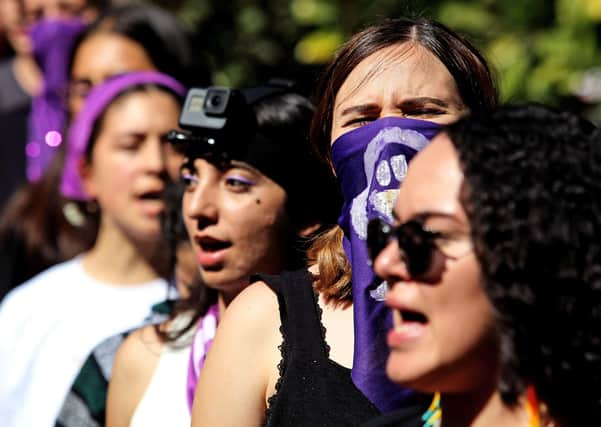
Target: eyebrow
{"points": [[131, 134], [424, 216], [425, 100], [237, 164], [361, 109], [369, 108]]}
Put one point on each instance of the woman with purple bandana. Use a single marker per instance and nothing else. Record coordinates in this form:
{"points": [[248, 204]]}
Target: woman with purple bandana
{"points": [[387, 92]]}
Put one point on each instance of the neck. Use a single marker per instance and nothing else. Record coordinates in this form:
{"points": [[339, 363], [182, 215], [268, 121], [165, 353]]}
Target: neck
{"points": [[225, 298], [222, 304], [114, 258], [481, 408], [28, 74]]}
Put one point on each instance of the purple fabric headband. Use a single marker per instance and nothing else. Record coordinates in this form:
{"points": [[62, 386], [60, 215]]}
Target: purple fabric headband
{"points": [[96, 102]]}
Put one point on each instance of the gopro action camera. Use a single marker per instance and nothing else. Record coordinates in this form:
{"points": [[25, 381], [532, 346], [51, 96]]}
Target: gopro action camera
{"points": [[216, 121]]}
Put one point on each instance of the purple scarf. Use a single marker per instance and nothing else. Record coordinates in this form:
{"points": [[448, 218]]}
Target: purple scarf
{"points": [[207, 326], [370, 163], [52, 44]]}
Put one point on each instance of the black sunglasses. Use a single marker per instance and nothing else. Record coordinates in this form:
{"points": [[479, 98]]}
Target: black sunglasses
{"points": [[416, 243]]}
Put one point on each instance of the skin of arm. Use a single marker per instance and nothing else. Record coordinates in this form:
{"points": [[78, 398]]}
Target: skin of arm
{"points": [[134, 365], [240, 371]]}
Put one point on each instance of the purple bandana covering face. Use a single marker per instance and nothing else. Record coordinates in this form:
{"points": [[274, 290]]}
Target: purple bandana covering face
{"points": [[370, 163], [52, 43]]}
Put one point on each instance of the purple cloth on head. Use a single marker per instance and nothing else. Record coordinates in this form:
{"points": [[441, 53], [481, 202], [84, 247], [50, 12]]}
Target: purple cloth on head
{"points": [[370, 163], [96, 102], [52, 44]]}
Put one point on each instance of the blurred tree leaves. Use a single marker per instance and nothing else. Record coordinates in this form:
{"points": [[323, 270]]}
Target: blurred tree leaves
{"points": [[541, 50]]}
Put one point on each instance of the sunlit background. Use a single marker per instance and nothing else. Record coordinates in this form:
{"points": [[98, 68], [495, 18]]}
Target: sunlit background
{"points": [[541, 50]]}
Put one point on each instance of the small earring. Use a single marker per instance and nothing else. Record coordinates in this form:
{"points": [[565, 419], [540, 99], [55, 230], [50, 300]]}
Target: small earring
{"points": [[73, 214]]}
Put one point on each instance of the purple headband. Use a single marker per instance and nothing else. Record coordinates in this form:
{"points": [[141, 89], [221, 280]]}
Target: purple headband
{"points": [[96, 102]]}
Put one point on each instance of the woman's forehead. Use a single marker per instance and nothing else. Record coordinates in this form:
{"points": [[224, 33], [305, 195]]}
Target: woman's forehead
{"points": [[399, 71], [433, 182]]}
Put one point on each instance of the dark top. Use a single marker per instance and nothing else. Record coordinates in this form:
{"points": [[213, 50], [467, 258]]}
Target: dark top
{"points": [[312, 390], [406, 417]]}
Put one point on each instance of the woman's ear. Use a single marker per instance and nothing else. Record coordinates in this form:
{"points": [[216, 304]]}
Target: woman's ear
{"points": [[84, 168]]}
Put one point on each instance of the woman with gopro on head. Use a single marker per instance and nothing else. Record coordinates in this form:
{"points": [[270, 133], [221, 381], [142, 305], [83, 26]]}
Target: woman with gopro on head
{"points": [[247, 208]]}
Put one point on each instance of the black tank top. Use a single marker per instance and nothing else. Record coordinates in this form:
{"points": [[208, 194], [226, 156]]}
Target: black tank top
{"points": [[312, 390]]}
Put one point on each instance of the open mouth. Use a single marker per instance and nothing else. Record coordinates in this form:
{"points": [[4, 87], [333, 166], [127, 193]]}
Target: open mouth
{"points": [[409, 326], [152, 195], [409, 316], [212, 253], [208, 244]]}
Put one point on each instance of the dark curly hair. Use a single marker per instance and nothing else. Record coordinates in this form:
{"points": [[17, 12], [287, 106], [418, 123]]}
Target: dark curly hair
{"points": [[532, 193]]}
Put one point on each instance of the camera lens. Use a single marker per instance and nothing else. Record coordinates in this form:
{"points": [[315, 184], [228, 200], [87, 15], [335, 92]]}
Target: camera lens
{"points": [[215, 100]]}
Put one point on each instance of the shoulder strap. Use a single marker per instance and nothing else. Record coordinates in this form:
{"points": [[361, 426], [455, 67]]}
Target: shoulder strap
{"points": [[299, 312]]}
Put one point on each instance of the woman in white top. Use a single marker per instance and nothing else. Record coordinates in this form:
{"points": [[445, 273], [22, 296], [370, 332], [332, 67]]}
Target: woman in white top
{"points": [[116, 157]]}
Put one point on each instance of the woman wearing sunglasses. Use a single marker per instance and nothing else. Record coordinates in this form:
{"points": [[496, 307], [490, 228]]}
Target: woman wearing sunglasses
{"points": [[388, 91], [494, 271]]}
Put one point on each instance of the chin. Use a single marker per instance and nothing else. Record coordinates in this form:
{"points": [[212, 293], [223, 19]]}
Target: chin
{"points": [[222, 281], [403, 372], [151, 234]]}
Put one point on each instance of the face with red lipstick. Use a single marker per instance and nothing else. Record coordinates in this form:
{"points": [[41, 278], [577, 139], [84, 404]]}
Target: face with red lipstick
{"points": [[237, 222], [443, 337], [128, 167]]}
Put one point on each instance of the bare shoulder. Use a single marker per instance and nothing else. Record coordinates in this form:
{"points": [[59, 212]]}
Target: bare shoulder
{"points": [[140, 350], [133, 368], [228, 392], [253, 310]]}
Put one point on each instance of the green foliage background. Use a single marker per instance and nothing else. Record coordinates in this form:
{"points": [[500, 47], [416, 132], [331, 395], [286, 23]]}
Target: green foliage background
{"points": [[541, 50]]}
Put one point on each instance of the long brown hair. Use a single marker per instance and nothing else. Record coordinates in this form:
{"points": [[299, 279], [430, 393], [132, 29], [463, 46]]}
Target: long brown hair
{"points": [[475, 84]]}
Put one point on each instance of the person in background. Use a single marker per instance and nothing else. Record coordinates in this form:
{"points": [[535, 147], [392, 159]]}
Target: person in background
{"points": [[387, 92], [247, 210], [21, 73], [48, 326], [40, 227], [493, 271], [85, 404]]}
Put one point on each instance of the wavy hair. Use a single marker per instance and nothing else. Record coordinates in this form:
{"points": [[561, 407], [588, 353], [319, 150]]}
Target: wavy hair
{"points": [[532, 193]]}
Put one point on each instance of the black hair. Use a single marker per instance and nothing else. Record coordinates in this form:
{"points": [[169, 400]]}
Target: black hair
{"points": [[159, 33], [286, 117], [532, 193], [311, 189]]}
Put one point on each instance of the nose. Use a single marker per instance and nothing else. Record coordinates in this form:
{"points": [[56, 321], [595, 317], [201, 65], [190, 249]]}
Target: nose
{"points": [[389, 265], [154, 157], [201, 204]]}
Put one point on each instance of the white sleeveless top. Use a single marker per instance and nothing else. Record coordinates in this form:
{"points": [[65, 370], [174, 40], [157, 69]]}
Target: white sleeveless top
{"points": [[164, 402]]}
